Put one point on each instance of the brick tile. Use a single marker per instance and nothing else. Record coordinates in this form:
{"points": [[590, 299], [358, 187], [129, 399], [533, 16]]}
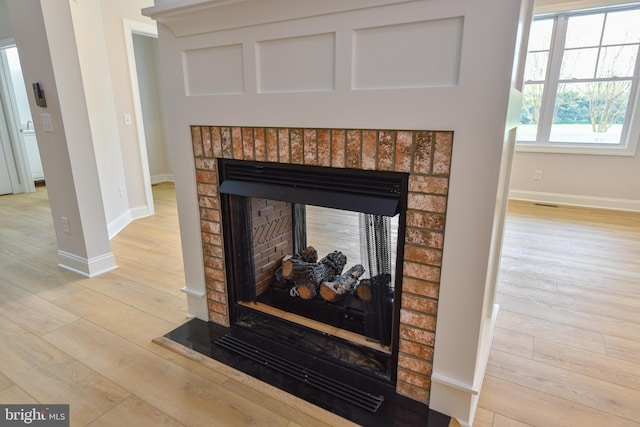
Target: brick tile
{"points": [[413, 392], [216, 285], [423, 152], [415, 365], [208, 202], [206, 164], [310, 147], [284, 146], [214, 274], [248, 145], [272, 144], [386, 151], [221, 319], [423, 255], [353, 149], [414, 378], [420, 287], [207, 189], [212, 239], [324, 147], [369, 149], [442, 154], [427, 202], [428, 238], [227, 143], [210, 227], [404, 145], [338, 148], [216, 142], [260, 145], [210, 214], [428, 184], [213, 250], [297, 146], [216, 296], [425, 220], [196, 140], [419, 304], [237, 143], [207, 150], [206, 177], [418, 319], [419, 336], [418, 350]]}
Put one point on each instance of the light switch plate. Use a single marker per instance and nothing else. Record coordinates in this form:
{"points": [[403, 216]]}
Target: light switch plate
{"points": [[47, 124]]}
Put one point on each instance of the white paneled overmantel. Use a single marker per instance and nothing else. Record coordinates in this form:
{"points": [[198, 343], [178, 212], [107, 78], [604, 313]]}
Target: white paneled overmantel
{"points": [[366, 64]]}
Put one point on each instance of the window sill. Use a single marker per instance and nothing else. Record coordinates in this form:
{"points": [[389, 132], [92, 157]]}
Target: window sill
{"points": [[628, 150]]}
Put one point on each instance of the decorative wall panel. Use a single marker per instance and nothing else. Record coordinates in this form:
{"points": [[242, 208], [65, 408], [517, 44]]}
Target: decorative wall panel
{"points": [[420, 54], [214, 71], [296, 64]]}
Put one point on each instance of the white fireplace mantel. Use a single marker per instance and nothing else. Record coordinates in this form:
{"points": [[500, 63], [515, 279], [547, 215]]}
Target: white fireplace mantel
{"points": [[452, 65]]}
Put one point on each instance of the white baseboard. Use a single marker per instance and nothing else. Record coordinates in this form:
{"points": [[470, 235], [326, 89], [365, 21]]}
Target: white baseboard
{"points": [[87, 267], [139, 212], [117, 225], [575, 200], [164, 177]]}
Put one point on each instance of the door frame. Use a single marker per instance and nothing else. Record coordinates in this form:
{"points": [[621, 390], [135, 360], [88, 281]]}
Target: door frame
{"points": [[131, 28], [11, 140]]}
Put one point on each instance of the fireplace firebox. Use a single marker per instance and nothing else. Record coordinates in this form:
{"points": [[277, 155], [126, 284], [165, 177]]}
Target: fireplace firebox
{"points": [[345, 288]]}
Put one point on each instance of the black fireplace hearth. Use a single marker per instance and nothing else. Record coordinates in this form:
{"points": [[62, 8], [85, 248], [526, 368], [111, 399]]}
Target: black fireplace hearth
{"points": [[375, 403]]}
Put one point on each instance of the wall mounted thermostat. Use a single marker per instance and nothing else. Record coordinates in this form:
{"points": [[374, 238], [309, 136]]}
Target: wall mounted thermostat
{"points": [[38, 93]]}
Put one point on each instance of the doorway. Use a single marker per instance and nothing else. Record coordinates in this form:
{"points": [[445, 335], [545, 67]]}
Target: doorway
{"points": [[141, 46], [20, 163]]}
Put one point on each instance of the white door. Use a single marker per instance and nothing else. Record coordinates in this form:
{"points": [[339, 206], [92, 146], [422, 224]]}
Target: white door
{"points": [[5, 179]]}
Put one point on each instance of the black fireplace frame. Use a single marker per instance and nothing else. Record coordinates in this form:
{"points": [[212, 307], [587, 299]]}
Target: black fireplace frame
{"points": [[367, 191]]}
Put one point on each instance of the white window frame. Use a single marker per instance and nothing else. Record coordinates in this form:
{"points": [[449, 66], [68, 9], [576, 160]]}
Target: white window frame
{"points": [[629, 139]]}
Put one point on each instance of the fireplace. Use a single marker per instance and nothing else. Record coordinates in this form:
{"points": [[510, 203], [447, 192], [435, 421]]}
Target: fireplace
{"points": [[324, 84], [274, 216], [257, 190]]}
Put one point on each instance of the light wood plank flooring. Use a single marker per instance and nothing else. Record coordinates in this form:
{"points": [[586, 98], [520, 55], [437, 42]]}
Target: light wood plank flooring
{"points": [[88, 342], [566, 350]]}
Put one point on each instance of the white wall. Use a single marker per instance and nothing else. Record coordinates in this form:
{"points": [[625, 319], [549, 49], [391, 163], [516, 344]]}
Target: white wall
{"points": [[113, 13], [5, 22], [577, 179], [321, 83], [46, 41], [98, 31], [96, 78], [146, 54]]}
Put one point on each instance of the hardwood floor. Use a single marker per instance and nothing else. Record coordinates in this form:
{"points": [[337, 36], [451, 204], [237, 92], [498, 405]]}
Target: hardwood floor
{"points": [[566, 350], [88, 342]]}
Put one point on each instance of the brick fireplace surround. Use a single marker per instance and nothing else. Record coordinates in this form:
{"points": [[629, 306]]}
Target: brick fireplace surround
{"points": [[424, 155]]}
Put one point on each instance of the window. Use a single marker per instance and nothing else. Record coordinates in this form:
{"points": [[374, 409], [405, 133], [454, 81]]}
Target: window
{"points": [[581, 81]]}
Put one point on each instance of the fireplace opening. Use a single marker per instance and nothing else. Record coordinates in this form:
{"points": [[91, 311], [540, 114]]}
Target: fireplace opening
{"points": [[316, 247]]}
